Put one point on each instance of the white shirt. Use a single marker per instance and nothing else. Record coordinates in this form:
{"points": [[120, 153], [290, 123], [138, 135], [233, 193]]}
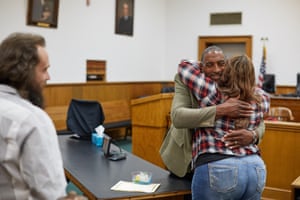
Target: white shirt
{"points": [[30, 160]]}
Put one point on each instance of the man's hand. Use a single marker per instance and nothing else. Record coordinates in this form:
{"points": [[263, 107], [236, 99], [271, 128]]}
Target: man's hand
{"points": [[238, 138], [234, 108]]}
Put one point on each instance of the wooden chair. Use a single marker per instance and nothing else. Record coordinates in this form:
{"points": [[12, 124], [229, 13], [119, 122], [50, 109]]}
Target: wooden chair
{"points": [[280, 114]]}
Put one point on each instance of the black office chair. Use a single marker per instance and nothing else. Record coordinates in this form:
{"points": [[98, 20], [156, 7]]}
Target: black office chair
{"points": [[298, 90], [83, 117]]}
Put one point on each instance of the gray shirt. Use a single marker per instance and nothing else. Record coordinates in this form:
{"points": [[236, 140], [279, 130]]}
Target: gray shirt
{"points": [[30, 160]]}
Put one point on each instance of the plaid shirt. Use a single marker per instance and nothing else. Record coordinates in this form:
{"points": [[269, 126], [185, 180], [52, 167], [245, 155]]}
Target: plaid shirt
{"points": [[209, 140]]}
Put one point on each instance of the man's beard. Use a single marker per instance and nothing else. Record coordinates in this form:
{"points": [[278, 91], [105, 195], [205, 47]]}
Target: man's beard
{"points": [[35, 95]]}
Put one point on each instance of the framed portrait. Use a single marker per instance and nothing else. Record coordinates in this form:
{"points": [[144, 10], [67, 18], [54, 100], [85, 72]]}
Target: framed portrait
{"points": [[124, 17], [42, 13]]}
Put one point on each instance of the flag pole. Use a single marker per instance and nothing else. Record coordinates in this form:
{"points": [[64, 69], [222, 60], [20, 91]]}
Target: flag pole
{"points": [[264, 40], [262, 69]]}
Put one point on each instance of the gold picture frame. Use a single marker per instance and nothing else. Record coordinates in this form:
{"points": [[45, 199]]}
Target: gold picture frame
{"points": [[42, 13]]}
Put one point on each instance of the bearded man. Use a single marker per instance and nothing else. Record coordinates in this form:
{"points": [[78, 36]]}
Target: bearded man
{"points": [[31, 165]]}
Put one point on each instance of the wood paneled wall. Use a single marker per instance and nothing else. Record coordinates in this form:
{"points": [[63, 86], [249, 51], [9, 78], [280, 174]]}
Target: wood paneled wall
{"points": [[280, 150], [61, 94]]}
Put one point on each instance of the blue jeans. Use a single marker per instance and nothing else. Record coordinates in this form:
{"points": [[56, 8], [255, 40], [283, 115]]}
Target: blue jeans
{"points": [[234, 178]]}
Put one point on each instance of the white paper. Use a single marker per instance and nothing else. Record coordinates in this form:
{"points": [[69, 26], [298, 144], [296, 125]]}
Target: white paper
{"points": [[135, 187]]}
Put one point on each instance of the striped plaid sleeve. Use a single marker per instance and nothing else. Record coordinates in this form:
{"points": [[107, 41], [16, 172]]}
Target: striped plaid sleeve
{"points": [[265, 102], [190, 74]]}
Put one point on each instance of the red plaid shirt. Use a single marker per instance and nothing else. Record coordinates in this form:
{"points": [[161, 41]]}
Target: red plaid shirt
{"points": [[208, 140]]}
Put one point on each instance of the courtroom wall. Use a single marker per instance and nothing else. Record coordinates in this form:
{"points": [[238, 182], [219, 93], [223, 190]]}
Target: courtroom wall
{"points": [[88, 32], [165, 31], [275, 19]]}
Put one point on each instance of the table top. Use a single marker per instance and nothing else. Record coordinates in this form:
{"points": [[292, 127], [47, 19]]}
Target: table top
{"points": [[87, 165]]}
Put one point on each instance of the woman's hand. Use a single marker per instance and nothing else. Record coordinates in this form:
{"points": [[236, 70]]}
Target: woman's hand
{"points": [[238, 138]]}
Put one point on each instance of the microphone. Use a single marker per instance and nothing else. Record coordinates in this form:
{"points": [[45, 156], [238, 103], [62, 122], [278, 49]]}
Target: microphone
{"points": [[112, 155]]}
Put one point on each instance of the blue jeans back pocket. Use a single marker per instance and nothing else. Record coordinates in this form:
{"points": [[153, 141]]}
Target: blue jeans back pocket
{"points": [[222, 178], [261, 178]]}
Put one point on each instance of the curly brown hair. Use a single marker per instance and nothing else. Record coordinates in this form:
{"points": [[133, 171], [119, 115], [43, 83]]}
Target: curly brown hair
{"points": [[18, 59]]}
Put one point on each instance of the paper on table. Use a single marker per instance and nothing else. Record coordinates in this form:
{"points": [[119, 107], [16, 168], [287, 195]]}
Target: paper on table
{"points": [[135, 187]]}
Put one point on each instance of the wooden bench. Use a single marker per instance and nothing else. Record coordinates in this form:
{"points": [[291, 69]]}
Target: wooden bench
{"points": [[117, 115], [58, 114]]}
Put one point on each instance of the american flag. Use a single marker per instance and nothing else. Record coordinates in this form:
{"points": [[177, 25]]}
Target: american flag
{"points": [[262, 69]]}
